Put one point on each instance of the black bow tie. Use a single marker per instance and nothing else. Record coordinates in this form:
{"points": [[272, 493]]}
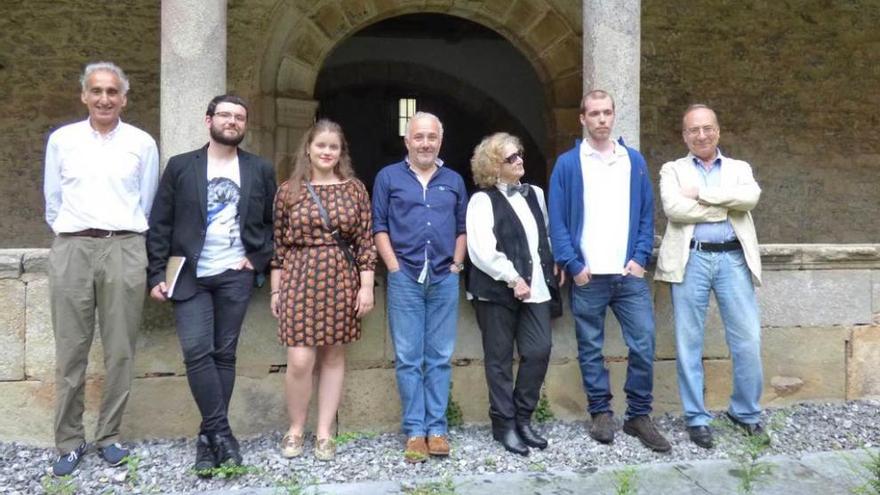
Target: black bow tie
{"points": [[522, 189]]}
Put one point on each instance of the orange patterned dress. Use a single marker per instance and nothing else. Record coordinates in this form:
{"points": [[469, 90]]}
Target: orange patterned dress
{"points": [[318, 285]]}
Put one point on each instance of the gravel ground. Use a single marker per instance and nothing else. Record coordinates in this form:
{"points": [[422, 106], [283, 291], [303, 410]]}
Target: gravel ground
{"points": [[163, 466]]}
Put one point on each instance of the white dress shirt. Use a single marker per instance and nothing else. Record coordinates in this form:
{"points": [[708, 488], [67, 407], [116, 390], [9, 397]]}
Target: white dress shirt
{"points": [[481, 241], [606, 208], [95, 181]]}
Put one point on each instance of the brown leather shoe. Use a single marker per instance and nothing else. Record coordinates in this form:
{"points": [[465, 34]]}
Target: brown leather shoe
{"points": [[438, 445], [416, 450]]}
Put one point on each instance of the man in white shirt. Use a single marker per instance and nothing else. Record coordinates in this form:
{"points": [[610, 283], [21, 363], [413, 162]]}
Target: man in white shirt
{"points": [[100, 178], [214, 208], [602, 229]]}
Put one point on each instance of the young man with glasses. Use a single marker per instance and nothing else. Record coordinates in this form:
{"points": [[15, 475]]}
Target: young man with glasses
{"points": [[602, 230], [213, 207], [710, 245]]}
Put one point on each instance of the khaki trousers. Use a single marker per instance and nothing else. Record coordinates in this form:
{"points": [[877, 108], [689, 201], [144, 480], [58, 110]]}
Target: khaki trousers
{"points": [[85, 274]]}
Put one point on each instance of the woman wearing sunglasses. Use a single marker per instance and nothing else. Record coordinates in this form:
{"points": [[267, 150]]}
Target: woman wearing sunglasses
{"points": [[512, 284]]}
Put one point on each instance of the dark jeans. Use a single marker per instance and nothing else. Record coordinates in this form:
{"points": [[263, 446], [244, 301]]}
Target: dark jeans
{"points": [[529, 327], [208, 325], [629, 298]]}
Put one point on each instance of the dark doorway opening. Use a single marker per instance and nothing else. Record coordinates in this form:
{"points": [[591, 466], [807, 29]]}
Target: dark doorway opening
{"points": [[474, 80]]}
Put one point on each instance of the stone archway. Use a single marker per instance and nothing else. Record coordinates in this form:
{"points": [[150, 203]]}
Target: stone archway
{"points": [[301, 37]]}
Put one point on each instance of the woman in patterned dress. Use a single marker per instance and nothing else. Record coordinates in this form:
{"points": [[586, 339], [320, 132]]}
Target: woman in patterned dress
{"points": [[318, 295]]}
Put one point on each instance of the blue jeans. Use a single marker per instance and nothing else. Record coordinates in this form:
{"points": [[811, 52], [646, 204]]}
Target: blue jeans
{"points": [[423, 319], [630, 299], [726, 274]]}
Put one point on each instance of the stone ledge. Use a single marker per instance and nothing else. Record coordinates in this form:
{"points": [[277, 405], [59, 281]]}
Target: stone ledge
{"points": [[820, 256]]}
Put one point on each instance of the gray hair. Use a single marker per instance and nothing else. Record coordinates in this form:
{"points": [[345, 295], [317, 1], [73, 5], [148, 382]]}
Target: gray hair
{"points": [[104, 66], [423, 115]]}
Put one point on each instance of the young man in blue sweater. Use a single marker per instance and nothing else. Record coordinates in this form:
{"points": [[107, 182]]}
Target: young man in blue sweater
{"points": [[602, 228]]}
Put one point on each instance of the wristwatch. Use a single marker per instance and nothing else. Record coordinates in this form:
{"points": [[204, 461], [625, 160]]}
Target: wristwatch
{"points": [[460, 266]]}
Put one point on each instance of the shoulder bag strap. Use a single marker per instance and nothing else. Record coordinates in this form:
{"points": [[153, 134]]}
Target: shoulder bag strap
{"points": [[325, 219]]}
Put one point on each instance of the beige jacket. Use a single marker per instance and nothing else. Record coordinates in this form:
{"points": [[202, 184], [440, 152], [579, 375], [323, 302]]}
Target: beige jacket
{"points": [[732, 200]]}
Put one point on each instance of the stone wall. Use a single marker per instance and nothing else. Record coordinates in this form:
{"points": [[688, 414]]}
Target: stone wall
{"points": [[821, 341], [795, 88], [794, 85]]}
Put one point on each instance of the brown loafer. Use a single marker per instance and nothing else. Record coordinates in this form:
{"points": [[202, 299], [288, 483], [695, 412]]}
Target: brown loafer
{"points": [[416, 450], [438, 445]]}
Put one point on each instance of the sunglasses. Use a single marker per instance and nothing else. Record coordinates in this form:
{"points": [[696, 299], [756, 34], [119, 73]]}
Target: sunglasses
{"points": [[512, 158]]}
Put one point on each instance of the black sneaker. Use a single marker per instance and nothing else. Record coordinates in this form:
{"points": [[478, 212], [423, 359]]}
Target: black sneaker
{"points": [[226, 450], [701, 435], [750, 429], [67, 463], [115, 454], [205, 458], [602, 427]]}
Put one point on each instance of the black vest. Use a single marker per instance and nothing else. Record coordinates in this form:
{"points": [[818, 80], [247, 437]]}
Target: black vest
{"points": [[511, 240]]}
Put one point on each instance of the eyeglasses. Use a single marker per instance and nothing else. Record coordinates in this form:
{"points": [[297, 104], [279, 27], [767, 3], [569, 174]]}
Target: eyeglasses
{"points": [[229, 116], [512, 158], [708, 130]]}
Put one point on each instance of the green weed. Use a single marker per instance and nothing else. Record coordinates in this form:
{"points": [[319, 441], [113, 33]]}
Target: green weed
{"points": [[543, 413], [64, 485], [351, 436], [453, 411], [625, 481], [226, 471], [443, 487], [869, 472]]}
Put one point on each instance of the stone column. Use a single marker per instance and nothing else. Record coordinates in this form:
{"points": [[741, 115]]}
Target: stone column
{"points": [[193, 70], [612, 58], [293, 118]]}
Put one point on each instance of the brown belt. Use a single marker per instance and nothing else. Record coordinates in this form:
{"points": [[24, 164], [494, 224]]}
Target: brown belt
{"points": [[97, 233]]}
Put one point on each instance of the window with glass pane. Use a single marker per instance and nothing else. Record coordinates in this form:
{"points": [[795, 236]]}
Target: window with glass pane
{"points": [[406, 108]]}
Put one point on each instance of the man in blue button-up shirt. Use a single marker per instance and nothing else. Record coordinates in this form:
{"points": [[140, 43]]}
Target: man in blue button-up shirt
{"points": [[419, 226]]}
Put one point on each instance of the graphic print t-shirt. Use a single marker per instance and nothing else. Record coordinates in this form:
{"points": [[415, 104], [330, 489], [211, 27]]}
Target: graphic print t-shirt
{"points": [[223, 248]]}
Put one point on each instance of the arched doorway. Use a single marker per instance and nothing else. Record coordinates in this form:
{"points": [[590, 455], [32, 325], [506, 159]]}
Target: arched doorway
{"points": [[300, 42], [466, 74]]}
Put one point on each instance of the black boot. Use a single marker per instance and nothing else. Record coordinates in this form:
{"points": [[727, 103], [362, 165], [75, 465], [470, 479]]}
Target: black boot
{"points": [[226, 450], [530, 437], [205, 458], [510, 440]]}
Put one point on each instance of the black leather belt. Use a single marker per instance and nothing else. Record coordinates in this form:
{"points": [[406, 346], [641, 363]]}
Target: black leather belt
{"points": [[716, 247], [97, 233]]}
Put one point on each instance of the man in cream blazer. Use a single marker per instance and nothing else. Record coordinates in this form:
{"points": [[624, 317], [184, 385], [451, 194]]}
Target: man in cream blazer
{"points": [[710, 245]]}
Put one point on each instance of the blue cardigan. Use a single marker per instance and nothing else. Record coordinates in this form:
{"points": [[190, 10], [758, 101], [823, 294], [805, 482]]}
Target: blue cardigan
{"points": [[566, 210]]}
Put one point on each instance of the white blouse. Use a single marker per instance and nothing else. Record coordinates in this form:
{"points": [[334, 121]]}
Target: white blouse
{"points": [[481, 240]]}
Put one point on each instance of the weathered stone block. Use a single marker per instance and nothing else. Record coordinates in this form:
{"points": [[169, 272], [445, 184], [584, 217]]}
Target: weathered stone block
{"points": [[357, 11], [369, 351], [714, 345], [469, 340], [565, 391], [258, 347], [471, 393], [370, 401], [863, 363], [564, 57], [158, 348], [12, 329], [567, 90], [331, 20], [271, 413], [717, 383], [815, 355], [875, 296], [35, 261], [10, 264], [550, 28], [816, 298], [525, 11], [27, 412], [295, 77]]}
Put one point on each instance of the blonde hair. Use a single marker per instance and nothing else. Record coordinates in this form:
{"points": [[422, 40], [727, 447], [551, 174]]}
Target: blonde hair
{"points": [[302, 168], [488, 157]]}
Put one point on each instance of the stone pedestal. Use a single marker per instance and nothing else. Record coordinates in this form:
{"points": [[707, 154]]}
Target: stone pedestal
{"points": [[193, 70], [612, 58]]}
